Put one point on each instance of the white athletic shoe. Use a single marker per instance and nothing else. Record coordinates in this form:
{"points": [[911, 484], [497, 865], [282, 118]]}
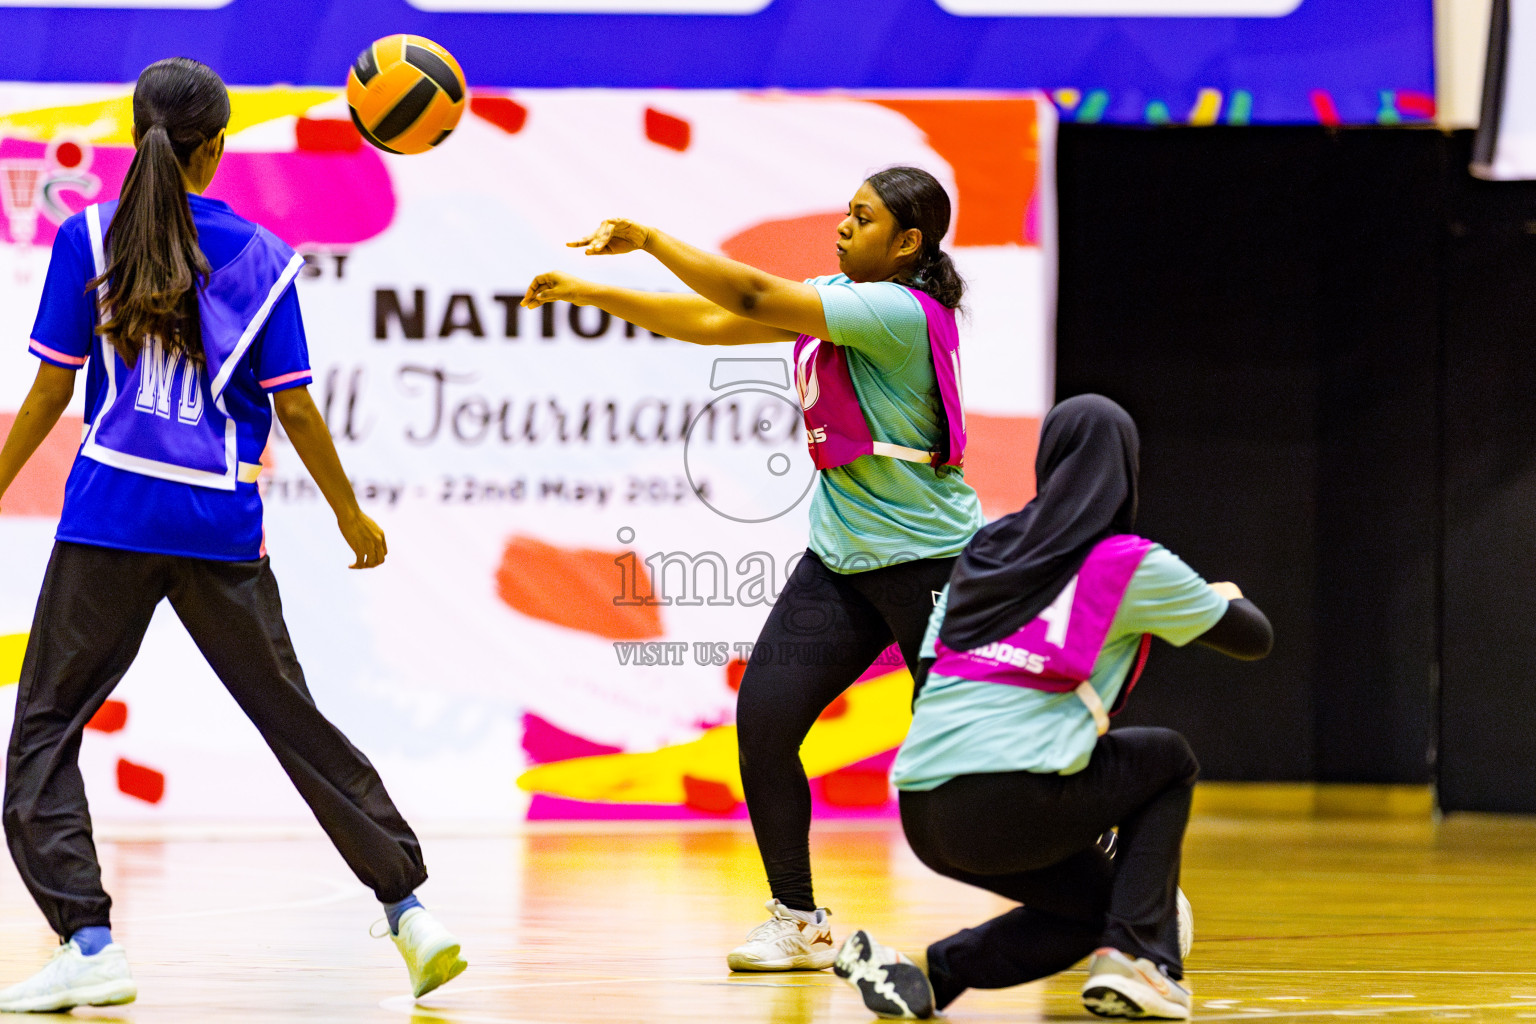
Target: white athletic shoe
{"points": [[73, 979], [1119, 986], [890, 983], [1186, 916], [431, 952], [790, 940]]}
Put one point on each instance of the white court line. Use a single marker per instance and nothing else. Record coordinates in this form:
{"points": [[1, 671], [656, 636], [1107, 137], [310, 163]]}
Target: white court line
{"points": [[409, 1006], [1343, 971], [1373, 1011], [340, 892]]}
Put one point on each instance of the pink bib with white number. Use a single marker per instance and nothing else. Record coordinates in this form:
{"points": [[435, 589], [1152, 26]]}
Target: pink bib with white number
{"points": [[1056, 650]]}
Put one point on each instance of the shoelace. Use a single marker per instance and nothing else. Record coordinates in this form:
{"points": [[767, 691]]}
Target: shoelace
{"points": [[773, 928], [374, 933], [44, 977]]}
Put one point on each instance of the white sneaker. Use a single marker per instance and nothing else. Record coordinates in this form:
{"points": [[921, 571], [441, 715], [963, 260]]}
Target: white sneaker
{"points": [[890, 984], [1118, 986], [431, 952], [73, 979], [790, 940], [1186, 916]]}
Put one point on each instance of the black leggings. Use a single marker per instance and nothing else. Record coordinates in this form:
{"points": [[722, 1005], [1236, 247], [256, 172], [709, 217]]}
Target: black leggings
{"points": [[825, 629], [1032, 838], [91, 616]]}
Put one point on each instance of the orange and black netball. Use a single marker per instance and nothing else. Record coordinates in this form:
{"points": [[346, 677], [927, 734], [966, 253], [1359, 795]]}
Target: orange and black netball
{"points": [[406, 94]]}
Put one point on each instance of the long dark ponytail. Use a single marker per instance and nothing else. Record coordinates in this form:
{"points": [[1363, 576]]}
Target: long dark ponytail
{"points": [[154, 265], [917, 200]]}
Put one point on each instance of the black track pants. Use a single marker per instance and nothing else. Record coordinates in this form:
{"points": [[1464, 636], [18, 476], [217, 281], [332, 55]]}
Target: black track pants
{"points": [[95, 605], [1031, 837], [825, 629]]}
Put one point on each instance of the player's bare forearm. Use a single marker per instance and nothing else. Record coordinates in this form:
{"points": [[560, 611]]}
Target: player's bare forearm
{"points": [[311, 438], [691, 318], [750, 293], [39, 414]]}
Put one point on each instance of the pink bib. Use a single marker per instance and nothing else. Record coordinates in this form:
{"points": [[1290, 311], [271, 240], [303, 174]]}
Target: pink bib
{"points": [[836, 430], [1056, 650]]}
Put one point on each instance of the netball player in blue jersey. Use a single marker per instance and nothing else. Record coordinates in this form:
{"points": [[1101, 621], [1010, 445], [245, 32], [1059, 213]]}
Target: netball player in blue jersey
{"points": [[185, 316], [890, 510]]}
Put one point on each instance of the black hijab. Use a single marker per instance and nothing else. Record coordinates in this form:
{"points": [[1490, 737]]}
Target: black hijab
{"points": [[1085, 481]]}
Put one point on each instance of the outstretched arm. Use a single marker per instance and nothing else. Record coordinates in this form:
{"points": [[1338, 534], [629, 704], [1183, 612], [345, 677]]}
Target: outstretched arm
{"points": [[311, 438], [1243, 632], [746, 291], [40, 412], [683, 316]]}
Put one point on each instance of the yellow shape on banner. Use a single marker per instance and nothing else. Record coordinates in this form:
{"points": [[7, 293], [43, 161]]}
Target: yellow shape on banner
{"points": [[878, 715], [1207, 107], [110, 122], [11, 649]]}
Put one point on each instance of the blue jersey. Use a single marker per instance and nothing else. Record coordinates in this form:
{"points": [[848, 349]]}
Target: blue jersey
{"points": [[172, 447]]}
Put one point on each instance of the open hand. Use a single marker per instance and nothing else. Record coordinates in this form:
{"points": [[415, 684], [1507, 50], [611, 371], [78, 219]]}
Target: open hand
{"points": [[555, 286], [614, 237], [365, 538]]}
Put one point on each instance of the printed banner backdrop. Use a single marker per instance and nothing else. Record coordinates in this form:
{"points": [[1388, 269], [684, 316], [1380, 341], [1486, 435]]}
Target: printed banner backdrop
{"points": [[1127, 61], [586, 522]]}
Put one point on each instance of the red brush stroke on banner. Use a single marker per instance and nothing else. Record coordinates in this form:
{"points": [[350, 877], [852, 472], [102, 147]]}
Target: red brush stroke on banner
{"points": [[39, 490], [796, 248], [577, 588], [502, 111], [1000, 460], [113, 717], [994, 150], [140, 782], [667, 130]]}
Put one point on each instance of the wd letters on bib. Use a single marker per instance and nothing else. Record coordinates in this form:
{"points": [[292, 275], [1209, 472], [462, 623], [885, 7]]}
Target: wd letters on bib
{"points": [[587, 523], [200, 443]]}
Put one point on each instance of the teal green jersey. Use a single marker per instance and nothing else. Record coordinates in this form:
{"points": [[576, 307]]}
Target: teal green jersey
{"points": [[962, 727], [877, 510]]}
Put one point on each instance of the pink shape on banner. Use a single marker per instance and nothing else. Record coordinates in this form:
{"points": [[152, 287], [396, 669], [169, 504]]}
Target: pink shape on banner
{"points": [[544, 742], [1416, 104], [312, 197], [1323, 106], [554, 808]]}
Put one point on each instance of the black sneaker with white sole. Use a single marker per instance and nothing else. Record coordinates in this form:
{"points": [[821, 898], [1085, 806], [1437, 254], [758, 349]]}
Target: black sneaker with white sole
{"points": [[890, 984]]}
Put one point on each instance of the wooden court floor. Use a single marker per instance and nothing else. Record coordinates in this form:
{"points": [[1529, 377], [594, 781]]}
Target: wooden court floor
{"points": [[1308, 918]]}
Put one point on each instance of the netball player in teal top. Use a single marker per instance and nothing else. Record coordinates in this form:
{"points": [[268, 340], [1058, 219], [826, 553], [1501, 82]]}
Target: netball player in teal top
{"points": [[1010, 778], [185, 318], [884, 530]]}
